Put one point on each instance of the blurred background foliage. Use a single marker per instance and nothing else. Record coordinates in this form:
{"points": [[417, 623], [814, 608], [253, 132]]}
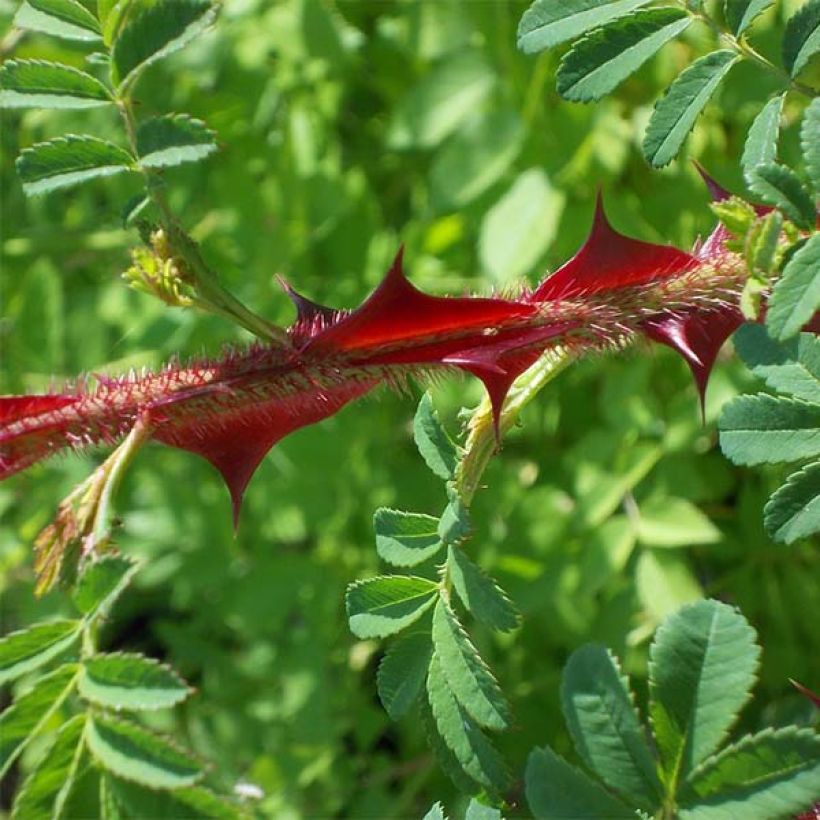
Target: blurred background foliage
{"points": [[347, 128]]}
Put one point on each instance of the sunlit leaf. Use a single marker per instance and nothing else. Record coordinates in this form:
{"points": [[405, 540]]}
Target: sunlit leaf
{"points": [[793, 511], [69, 19], [796, 295], [102, 582], [801, 40], [402, 672], [761, 143], [383, 606], [810, 142], [173, 139], [406, 539], [479, 593], [740, 14], [24, 651], [436, 447], [40, 84]]}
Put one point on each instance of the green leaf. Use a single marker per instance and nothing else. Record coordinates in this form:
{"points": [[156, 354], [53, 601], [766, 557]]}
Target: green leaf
{"points": [[102, 582], [604, 725], [473, 751], [741, 13], [454, 525], [792, 366], [47, 787], [70, 160], [547, 23], [173, 139], [763, 429], [155, 32], [137, 802], [40, 84], [475, 158], [794, 510], [443, 99], [801, 39], [31, 712], [468, 676], [761, 143], [606, 57], [134, 753], [402, 673], [558, 791], [517, 231], [761, 244], [436, 447], [479, 811], [796, 295], [780, 186], [405, 539], [665, 583], [810, 142], [674, 522], [436, 812], [479, 593], [130, 681], [29, 649], [675, 113], [702, 666], [385, 605], [771, 774], [69, 19]]}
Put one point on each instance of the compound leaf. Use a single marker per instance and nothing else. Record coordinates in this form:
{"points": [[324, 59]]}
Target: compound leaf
{"points": [[436, 447], [480, 594], [170, 140], [129, 681], [454, 525], [555, 789], [68, 19], [796, 295], [24, 651], [761, 142], [675, 113], [741, 13], [70, 160], [387, 604], [41, 84], [470, 679], [793, 511], [702, 666], [192, 801], [406, 539], [30, 712], [801, 40], [155, 32], [547, 23], [102, 582], [780, 186], [771, 774], [134, 753], [604, 725], [402, 673], [810, 142], [603, 59]]}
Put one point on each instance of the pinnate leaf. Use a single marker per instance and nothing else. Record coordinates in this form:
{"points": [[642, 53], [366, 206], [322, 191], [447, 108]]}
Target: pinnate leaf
{"points": [[136, 801], [30, 712], [156, 31], [44, 791], [67, 161], [796, 295], [801, 40], [68, 19], [40, 84], [771, 774], [603, 59], [473, 751], [102, 582], [402, 673], [675, 113], [793, 511], [703, 663], [741, 13], [761, 143], [470, 680], [810, 142], [604, 725], [24, 651], [763, 429], [130, 681], [557, 789], [454, 525], [131, 752], [480, 594], [385, 605], [436, 447], [405, 539], [780, 186], [792, 366], [674, 522], [173, 139], [547, 23]]}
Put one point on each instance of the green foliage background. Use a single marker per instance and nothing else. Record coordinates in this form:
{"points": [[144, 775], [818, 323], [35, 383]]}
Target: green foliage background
{"points": [[347, 128]]}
